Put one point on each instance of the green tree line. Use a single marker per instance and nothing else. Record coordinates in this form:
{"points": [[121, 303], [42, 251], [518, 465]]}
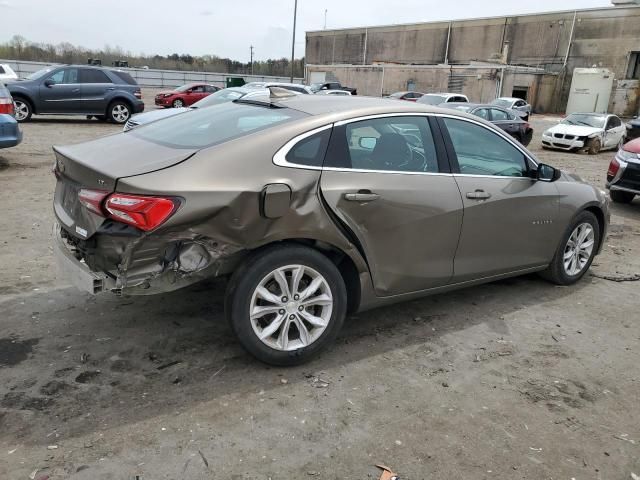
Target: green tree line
{"points": [[19, 48]]}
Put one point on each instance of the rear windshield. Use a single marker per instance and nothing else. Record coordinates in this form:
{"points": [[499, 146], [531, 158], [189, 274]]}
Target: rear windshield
{"points": [[214, 125], [125, 77], [501, 102]]}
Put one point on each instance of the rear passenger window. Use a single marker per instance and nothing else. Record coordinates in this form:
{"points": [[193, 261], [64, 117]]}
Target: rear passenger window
{"points": [[124, 76], [397, 144], [93, 76], [310, 151], [482, 152]]}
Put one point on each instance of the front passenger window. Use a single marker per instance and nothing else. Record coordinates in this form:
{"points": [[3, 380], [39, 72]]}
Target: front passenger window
{"points": [[57, 77], [482, 152]]}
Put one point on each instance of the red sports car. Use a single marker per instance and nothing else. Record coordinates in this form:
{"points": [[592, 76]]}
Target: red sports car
{"points": [[185, 95]]}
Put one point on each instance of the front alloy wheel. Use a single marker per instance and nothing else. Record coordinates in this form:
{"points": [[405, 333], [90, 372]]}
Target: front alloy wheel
{"points": [[578, 249], [286, 303], [22, 110], [178, 103]]}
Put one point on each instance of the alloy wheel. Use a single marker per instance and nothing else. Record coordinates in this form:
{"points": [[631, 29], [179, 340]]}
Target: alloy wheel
{"points": [[578, 249], [21, 110], [120, 113], [291, 307], [178, 103]]}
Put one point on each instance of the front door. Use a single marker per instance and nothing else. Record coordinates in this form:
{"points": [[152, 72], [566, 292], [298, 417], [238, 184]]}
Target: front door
{"points": [[509, 217], [384, 179], [60, 92]]}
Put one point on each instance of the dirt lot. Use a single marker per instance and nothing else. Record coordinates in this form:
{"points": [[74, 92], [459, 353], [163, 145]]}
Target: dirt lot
{"points": [[515, 379]]}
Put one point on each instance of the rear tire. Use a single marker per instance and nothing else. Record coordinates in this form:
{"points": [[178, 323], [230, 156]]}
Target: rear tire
{"points": [[593, 146], [119, 112], [23, 109], [621, 197], [573, 248], [283, 335]]}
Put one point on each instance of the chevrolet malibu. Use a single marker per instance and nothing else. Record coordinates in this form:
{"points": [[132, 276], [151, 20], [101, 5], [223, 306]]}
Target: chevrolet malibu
{"points": [[316, 208]]}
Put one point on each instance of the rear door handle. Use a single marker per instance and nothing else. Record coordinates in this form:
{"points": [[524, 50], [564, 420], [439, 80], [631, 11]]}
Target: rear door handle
{"points": [[361, 196], [478, 195]]}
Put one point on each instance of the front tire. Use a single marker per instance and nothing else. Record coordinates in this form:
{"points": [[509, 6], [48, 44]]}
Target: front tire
{"points": [[23, 109], [178, 103], [619, 196], [286, 304], [119, 112], [575, 252], [593, 146]]}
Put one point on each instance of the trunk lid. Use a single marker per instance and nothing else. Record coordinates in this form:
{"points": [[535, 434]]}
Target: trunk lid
{"points": [[97, 165]]}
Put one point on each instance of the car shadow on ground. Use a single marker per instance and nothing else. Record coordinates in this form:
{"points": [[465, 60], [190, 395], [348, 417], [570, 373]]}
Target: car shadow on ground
{"points": [[77, 362]]}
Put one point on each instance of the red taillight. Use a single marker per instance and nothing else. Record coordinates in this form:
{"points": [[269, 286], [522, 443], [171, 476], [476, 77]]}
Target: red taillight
{"points": [[614, 166], [6, 106], [527, 126], [92, 199], [145, 213]]}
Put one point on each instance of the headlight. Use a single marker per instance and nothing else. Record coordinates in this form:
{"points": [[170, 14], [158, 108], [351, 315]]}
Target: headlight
{"points": [[625, 156], [166, 95]]}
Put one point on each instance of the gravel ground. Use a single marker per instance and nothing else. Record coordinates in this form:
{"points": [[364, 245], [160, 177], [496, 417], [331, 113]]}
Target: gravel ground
{"points": [[514, 379]]}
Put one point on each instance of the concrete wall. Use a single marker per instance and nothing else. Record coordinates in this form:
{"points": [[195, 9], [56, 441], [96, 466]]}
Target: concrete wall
{"points": [[603, 37], [157, 78], [480, 84]]}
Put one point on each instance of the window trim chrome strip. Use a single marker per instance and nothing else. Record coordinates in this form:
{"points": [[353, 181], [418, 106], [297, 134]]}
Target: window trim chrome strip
{"points": [[280, 159]]}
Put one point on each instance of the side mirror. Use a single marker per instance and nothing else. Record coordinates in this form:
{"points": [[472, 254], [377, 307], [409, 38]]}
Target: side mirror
{"points": [[547, 173], [368, 143], [49, 83]]}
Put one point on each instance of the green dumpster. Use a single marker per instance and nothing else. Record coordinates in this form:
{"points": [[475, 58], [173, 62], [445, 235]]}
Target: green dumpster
{"points": [[235, 82]]}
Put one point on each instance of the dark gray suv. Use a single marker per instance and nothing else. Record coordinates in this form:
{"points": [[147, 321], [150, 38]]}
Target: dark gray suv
{"points": [[77, 90]]}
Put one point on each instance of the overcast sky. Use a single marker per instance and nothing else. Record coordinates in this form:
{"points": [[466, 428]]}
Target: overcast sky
{"points": [[226, 28]]}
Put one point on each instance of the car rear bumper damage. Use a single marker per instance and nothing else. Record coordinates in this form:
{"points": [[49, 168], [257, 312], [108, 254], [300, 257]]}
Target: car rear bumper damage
{"points": [[139, 264]]}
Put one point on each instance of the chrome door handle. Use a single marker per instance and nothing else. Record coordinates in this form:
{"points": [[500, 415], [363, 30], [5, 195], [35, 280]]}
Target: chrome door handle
{"points": [[478, 195], [75, 90], [361, 197], [111, 88]]}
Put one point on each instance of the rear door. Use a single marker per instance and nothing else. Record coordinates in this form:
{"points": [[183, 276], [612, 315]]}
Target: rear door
{"points": [[387, 181], [614, 131], [509, 218], [197, 93], [60, 92], [96, 85]]}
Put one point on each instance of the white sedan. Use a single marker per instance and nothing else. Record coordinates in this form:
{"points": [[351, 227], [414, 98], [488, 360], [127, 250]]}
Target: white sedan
{"points": [[592, 132]]}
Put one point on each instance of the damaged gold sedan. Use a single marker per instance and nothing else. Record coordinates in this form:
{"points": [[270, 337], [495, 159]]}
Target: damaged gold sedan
{"points": [[316, 207]]}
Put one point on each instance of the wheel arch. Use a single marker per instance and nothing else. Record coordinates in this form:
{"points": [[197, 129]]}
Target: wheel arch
{"points": [[116, 98], [341, 259], [602, 221], [25, 96]]}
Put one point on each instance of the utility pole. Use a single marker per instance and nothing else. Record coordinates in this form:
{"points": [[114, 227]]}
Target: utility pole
{"points": [[251, 49], [325, 18], [293, 40]]}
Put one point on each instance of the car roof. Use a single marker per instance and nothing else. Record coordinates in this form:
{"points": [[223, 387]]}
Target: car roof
{"points": [[593, 114], [511, 99], [344, 107]]}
